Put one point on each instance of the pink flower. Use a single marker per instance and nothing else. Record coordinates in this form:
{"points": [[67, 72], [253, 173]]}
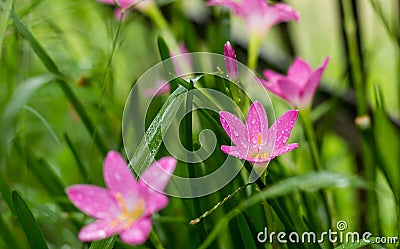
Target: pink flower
{"points": [[230, 61], [258, 16], [125, 4], [254, 142], [300, 84], [125, 207]]}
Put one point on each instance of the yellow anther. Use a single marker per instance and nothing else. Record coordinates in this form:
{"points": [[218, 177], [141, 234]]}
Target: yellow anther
{"points": [[259, 140], [128, 217]]}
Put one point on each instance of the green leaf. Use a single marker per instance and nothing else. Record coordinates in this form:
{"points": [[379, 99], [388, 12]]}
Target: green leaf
{"points": [[168, 65], [103, 244], [6, 193], [21, 95], [353, 245], [245, 232], [28, 223], [6, 10], [152, 140], [310, 182], [8, 236]]}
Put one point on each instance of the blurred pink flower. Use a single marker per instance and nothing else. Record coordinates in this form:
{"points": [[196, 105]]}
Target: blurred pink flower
{"points": [[258, 16], [125, 207], [230, 61], [125, 4], [254, 142], [300, 84]]}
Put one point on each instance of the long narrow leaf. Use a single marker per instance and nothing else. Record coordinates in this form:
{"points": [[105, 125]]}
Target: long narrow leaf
{"points": [[310, 182], [3, 21], [245, 232], [8, 236], [28, 223], [51, 66], [103, 244]]}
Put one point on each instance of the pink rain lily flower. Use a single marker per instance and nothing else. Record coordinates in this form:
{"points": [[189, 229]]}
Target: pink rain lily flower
{"points": [[258, 16], [300, 84], [254, 142], [230, 61], [126, 206], [125, 5]]}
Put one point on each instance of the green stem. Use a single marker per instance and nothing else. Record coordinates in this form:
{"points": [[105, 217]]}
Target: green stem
{"points": [[155, 240], [308, 125], [253, 49]]}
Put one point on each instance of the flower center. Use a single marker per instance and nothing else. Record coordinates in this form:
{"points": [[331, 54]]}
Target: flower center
{"points": [[128, 217], [260, 154]]}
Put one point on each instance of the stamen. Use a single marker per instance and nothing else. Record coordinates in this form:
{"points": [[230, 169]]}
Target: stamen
{"points": [[259, 140]]}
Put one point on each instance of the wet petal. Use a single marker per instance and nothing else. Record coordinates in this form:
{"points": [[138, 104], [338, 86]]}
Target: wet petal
{"points": [[235, 129], [280, 130], [257, 123], [230, 61], [283, 149], [234, 151], [118, 176], [94, 201], [98, 230], [138, 232], [158, 173]]}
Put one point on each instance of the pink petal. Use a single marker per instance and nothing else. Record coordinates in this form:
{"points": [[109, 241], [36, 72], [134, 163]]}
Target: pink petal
{"points": [[280, 130], [313, 82], [138, 232], [281, 13], [272, 87], [299, 72], [158, 173], [257, 123], [283, 149], [98, 230], [155, 201], [94, 201], [289, 91], [272, 76], [254, 6], [118, 176], [235, 129], [230, 61], [234, 151]]}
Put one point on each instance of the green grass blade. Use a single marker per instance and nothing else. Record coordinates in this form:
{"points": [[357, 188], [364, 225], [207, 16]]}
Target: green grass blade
{"points": [[4, 20], [51, 66], [28, 223], [21, 95], [152, 140], [353, 245], [310, 182], [8, 236], [81, 166], [6, 193], [245, 232], [103, 244]]}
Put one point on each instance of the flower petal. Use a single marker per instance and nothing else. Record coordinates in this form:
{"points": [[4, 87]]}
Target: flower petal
{"points": [[281, 13], [235, 129], [309, 89], [158, 173], [272, 76], [280, 130], [98, 230], [118, 176], [138, 232], [299, 72], [234, 151], [289, 90], [257, 123], [230, 61], [283, 149], [94, 201]]}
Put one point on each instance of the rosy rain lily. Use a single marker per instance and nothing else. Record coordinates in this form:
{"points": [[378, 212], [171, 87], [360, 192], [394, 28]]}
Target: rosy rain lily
{"points": [[230, 61], [259, 18], [300, 84], [126, 205], [124, 5], [253, 141]]}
